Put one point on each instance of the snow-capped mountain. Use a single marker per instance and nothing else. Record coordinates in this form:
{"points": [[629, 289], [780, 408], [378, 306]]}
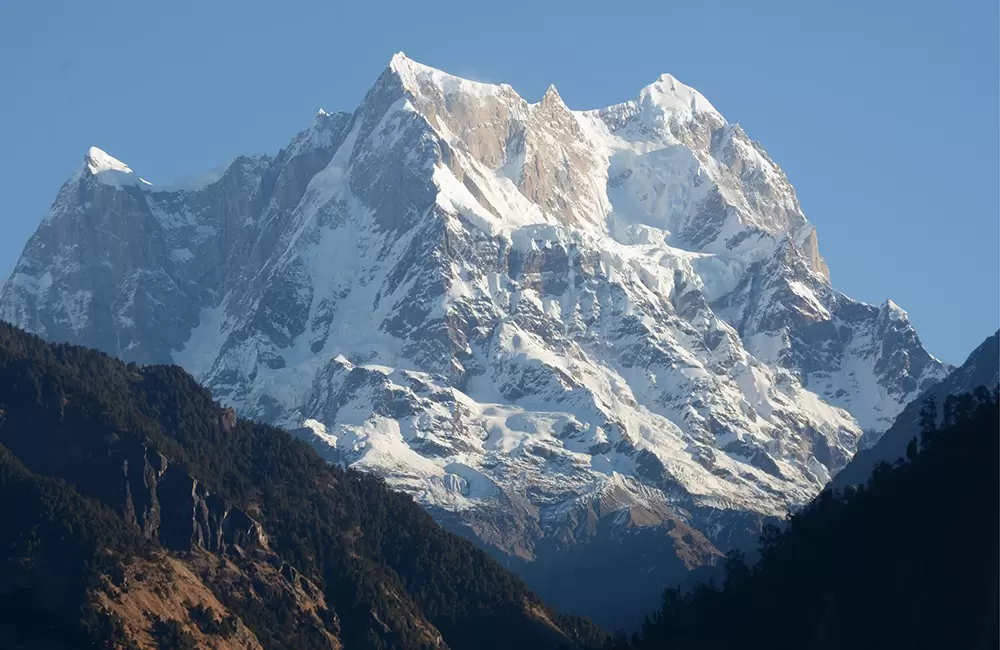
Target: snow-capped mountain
{"points": [[561, 331]]}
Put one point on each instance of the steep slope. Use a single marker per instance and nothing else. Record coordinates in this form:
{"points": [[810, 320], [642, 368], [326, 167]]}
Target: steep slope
{"points": [[128, 493], [565, 333], [907, 561], [981, 369]]}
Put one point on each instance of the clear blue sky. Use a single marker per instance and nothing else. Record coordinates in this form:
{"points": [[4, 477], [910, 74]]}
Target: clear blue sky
{"points": [[884, 114]]}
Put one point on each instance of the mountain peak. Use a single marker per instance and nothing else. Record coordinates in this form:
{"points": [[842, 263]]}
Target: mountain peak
{"points": [[606, 292], [399, 61], [408, 69], [98, 161], [670, 94], [416, 77], [109, 170], [894, 311], [551, 96]]}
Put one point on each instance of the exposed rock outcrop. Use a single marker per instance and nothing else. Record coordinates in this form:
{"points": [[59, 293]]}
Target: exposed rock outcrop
{"points": [[170, 505]]}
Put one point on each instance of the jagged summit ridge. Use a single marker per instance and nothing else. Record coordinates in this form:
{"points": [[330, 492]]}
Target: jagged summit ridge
{"points": [[527, 316]]}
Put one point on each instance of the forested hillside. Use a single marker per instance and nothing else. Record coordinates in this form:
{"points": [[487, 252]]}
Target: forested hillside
{"points": [[138, 513], [122, 486]]}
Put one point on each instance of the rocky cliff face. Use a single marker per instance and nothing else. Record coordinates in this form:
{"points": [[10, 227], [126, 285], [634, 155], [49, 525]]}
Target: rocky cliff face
{"points": [[171, 506], [219, 552], [556, 329]]}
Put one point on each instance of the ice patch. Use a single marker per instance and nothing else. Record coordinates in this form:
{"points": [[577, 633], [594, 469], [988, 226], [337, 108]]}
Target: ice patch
{"points": [[181, 255]]}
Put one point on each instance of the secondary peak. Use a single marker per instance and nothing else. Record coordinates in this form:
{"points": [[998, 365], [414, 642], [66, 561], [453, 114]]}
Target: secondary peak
{"points": [[108, 170], [97, 161], [551, 96]]}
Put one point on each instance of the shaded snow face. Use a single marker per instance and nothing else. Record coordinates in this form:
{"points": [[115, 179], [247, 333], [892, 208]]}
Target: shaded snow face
{"points": [[522, 314]]}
